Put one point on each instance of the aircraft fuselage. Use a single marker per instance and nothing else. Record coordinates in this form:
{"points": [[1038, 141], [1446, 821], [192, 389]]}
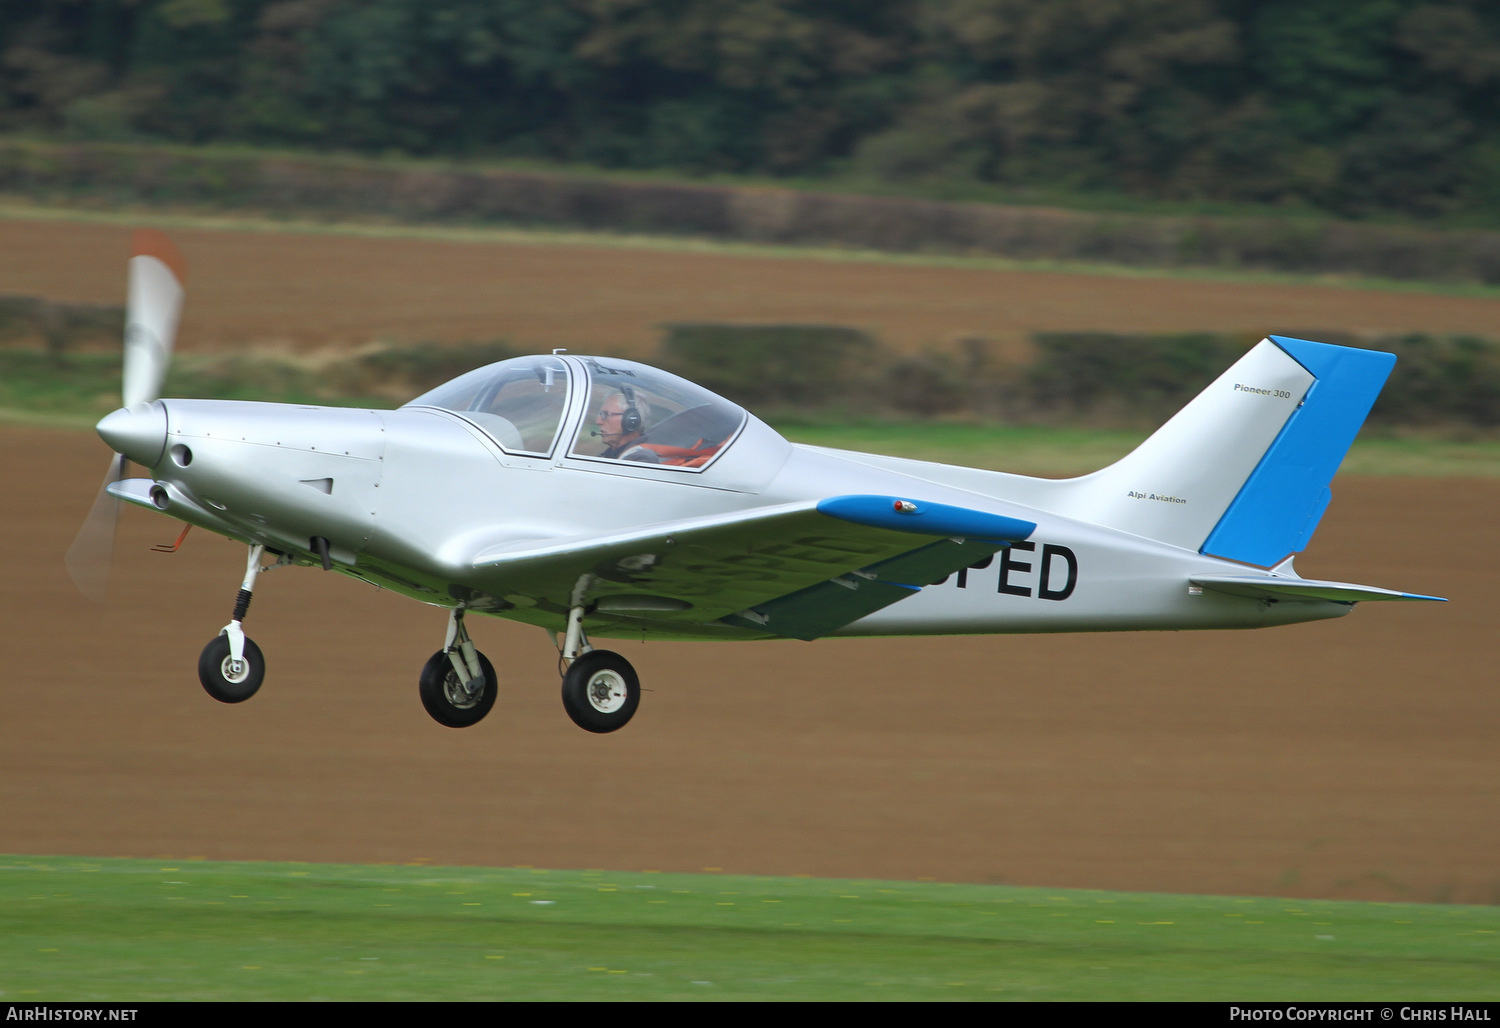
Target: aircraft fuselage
{"points": [[406, 498]]}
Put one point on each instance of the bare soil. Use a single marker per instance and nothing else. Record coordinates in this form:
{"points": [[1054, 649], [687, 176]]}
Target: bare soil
{"points": [[1354, 758]]}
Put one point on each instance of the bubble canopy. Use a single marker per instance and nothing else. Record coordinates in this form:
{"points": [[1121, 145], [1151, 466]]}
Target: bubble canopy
{"points": [[520, 403], [631, 413]]}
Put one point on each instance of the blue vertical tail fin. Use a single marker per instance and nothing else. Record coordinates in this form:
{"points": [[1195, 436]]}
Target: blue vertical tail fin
{"points": [[1275, 512]]}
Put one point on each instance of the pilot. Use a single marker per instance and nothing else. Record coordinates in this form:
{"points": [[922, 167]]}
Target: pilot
{"points": [[622, 422]]}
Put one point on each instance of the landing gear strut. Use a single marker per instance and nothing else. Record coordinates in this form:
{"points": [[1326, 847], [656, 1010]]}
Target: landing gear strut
{"points": [[458, 684], [231, 667], [600, 690]]}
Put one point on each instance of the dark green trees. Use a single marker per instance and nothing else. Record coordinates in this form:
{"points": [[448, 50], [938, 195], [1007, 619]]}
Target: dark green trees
{"points": [[1352, 106]]}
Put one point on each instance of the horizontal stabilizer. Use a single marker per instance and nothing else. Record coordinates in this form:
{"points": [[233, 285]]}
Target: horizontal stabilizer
{"points": [[1258, 587]]}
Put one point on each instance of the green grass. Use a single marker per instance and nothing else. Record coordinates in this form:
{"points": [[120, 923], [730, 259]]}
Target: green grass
{"points": [[83, 386], [1075, 451], [1025, 450], [139, 930]]}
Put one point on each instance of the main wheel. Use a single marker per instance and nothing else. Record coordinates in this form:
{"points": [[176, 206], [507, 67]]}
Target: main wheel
{"points": [[601, 691], [445, 697], [222, 679]]}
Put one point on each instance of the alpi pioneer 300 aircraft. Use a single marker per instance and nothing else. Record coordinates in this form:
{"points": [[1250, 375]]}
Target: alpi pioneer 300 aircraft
{"points": [[598, 497]]}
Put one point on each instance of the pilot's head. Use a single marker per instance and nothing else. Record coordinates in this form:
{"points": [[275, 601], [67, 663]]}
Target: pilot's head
{"points": [[622, 417]]}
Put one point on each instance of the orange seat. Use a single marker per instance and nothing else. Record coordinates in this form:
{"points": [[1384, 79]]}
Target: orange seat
{"points": [[694, 456]]}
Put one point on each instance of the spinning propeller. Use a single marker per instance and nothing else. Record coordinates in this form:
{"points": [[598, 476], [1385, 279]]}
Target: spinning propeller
{"points": [[138, 430]]}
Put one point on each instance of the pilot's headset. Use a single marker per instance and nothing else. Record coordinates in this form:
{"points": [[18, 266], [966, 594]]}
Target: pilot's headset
{"points": [[630, 418]]}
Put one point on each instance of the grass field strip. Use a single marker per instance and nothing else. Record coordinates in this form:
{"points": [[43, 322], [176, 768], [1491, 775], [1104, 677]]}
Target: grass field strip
{"points": [[132, 929]]}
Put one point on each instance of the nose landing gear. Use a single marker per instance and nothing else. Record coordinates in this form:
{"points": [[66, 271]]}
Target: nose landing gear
{"points": [[231, 667]]}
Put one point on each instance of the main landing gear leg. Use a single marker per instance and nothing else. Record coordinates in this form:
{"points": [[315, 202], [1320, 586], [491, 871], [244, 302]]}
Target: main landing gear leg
{"points": [[231, 667], [458, 685], [600, 690]]}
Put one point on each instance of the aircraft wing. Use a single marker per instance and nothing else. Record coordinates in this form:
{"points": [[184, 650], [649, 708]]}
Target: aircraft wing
{"points": [[1300, 589], [799, 570]]}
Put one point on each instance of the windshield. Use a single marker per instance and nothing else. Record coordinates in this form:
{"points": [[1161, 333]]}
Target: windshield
{"points": [[637, 413], [519, 402]]}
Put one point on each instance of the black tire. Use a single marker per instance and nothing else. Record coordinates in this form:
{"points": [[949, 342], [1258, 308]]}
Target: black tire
{"points": [[444, 697], [601, 691], [223, 683]]}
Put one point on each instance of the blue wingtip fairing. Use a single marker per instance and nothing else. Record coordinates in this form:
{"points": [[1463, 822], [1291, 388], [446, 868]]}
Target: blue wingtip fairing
{"points": [[935, 519], [1283, 500]]}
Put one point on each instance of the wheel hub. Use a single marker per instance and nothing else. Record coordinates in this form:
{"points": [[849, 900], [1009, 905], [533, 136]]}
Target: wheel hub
{"points": [[606, 691], [234, 671], [457, 693]]}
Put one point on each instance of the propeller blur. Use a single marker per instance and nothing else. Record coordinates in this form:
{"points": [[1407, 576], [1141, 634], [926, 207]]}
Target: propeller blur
{"points": [[153, 305]]}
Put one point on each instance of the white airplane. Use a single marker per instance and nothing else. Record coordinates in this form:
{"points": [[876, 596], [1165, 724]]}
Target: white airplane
{"points": [[596, 497]]}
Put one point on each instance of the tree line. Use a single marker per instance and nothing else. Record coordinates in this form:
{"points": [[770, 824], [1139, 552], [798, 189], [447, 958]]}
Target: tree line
{"points": [[1356, 107]]}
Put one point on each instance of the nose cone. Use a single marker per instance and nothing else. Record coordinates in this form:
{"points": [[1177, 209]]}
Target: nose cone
{"points": [[138, 432]]}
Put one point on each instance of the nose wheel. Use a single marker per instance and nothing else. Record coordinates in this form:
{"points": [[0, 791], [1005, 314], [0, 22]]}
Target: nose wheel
{"points": [[227, 679], [231, 667]]}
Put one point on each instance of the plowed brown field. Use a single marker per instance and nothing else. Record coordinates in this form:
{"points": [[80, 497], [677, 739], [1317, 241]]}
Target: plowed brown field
{"points": [[309, 290], [1352, 758]]}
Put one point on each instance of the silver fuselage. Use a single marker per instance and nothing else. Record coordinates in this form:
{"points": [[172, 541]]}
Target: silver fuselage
{"points": [[407, 498]]}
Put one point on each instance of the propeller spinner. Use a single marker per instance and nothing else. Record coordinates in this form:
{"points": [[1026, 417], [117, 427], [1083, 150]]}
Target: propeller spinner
{"points": [[138, 430]]}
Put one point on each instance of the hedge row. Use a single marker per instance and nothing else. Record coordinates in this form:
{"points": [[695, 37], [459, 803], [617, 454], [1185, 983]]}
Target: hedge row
{"points": [[56, 325], [1098, 378], [117, 174]]}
